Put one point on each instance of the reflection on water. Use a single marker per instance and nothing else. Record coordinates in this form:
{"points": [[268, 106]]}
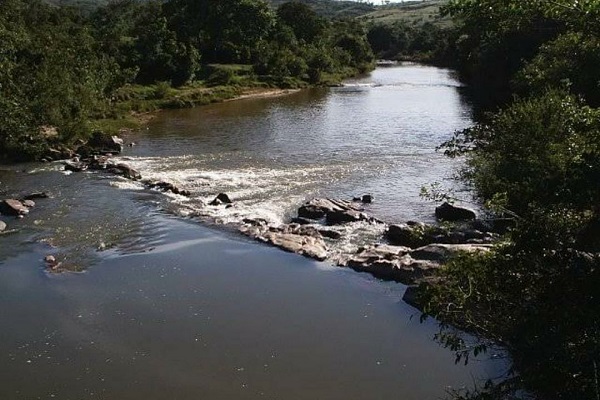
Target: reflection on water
{"points": [[174, 310], [203, 316], [376, 134]]}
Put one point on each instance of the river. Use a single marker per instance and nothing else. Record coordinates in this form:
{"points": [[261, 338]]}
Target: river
{"points": [[167, 303]]}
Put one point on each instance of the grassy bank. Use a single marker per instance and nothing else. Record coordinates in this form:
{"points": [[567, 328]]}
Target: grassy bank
{"points": [[133, 105]]}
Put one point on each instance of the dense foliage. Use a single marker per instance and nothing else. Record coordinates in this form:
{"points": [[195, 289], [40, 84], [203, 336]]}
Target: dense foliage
{"points": [[537, 161], [497, 38], [60, 67], [425, 42]]}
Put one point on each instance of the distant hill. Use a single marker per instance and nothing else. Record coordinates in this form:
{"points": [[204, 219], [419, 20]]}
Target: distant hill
{"points": [[413, 12], [327, 8], [416, 12], [334, 8]]}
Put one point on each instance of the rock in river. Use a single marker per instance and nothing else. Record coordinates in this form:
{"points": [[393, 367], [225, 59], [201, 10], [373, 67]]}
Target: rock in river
{"points": [[449, 212], [2, 226], [439, 252], [13, 207], [222, 198], [308, 246], [319, 208], [390, 262]]}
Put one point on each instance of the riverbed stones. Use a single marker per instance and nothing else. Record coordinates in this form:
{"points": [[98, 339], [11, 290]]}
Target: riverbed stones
{"points": [[449, 212], [13, 207]]}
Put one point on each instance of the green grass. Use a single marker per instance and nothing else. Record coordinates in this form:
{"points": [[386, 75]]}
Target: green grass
{"points": [[414, 12]]}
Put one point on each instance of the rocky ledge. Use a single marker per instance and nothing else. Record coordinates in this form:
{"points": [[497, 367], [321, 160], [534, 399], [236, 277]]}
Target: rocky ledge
{"points": [[409, 253]]}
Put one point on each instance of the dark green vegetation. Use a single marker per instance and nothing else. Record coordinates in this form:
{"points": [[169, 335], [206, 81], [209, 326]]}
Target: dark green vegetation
{"points": [[412, 31], [401, 40], [64, 71], [536, 160]]}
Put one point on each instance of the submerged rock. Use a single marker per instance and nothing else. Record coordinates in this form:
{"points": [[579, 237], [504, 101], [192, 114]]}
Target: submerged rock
{"points": [[13, 207], [36, 195], [449, 212]]}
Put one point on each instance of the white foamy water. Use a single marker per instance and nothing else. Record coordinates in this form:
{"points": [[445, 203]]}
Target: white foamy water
{"points": [[375, 135]]}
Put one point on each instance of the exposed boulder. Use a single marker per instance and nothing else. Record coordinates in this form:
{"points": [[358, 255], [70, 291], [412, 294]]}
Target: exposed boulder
{"points": [[222, 198], [440, 252], [342, 216], [319, 208], [75, 166], [449, 212], [390, 262], [305, 245], [28, 203], [367, 198], [103, 143], [98, 162], [13, 207], [52, 263], [127, 171], [414, 235], [2, 226], [419, 234]]}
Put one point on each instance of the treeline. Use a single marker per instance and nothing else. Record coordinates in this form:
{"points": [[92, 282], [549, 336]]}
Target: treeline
{"points": [[59, 67], [404, 41], [536, 162]]}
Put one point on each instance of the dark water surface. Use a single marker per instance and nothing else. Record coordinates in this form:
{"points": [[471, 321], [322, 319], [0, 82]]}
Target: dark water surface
{"points": [[171, 309]]}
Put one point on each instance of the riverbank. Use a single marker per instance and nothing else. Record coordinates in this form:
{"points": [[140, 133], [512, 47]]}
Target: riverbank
{"points": [[137, 105]]}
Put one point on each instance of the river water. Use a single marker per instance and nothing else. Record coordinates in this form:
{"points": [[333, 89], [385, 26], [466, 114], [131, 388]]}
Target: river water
{"points": [[166, 306]]}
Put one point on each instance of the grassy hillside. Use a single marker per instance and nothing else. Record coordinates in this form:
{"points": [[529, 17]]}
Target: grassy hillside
{"points": [[327, 8], [414, 12], [334, 8]]}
